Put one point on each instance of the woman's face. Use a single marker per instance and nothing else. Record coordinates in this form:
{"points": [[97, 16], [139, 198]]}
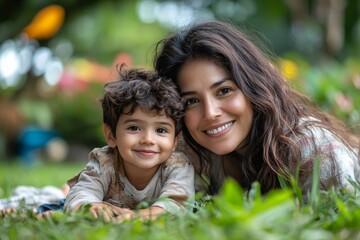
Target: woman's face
{"points": [[218, 115]]}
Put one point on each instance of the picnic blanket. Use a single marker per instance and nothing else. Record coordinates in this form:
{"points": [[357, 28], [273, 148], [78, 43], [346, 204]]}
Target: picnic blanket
{"points": [[32, 197]]}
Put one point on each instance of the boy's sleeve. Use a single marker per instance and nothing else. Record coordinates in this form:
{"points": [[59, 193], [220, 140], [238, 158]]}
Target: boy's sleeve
{"points": [[178, 175], [87, 187]]}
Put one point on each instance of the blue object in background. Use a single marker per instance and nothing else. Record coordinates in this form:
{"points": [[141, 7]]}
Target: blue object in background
{"points": [[32, 139]]}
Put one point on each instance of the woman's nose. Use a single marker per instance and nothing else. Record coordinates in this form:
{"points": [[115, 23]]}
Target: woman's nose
{"points": [[211, 109]]}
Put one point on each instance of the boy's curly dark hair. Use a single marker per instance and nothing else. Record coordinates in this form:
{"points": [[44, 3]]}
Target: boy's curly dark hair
{"points": [[138, 87]]}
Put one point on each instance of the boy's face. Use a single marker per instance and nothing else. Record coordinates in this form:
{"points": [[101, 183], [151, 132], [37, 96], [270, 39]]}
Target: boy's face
{"points": [[143, 139]]}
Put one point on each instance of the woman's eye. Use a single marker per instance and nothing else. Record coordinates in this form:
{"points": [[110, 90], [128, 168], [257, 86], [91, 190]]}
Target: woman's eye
{"points": [[191, 101], [161, 130], [224, 91], [133, 128]]}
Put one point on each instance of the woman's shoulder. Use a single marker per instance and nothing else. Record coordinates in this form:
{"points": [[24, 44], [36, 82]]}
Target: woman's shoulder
{"points": [[318, 138], [314, 128]]}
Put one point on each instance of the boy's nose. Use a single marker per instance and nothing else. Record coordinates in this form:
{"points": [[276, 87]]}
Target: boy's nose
{"points": [[147, 138]]}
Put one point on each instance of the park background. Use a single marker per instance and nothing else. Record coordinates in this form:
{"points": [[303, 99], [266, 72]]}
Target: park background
{"points": [[55, 57]]}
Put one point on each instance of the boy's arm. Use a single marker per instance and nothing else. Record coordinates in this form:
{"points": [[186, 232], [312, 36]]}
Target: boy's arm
{"points": [[179, 184], [89, 188]]}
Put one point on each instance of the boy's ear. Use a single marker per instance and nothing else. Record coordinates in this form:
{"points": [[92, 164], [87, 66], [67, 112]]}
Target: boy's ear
{"points": [[177, 138], [109, 137]]}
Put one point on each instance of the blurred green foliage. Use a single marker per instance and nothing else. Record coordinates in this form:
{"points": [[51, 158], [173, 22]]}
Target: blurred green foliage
{"points": [[334, 86], [103, 30], [232, 214], [78, 117]]}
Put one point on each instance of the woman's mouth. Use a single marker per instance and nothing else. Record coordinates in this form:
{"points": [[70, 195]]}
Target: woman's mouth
{"points": [[219, 129]]}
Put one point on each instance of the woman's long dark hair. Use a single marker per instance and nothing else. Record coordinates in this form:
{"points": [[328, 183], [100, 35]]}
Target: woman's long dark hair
{"points": [[269, 148]]}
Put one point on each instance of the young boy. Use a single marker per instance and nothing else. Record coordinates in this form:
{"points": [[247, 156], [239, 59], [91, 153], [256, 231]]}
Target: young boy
{"points": [[141, 124]]}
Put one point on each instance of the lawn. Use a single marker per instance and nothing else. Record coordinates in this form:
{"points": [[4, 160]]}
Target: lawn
{"points": [[230, 215], [14, 173]]}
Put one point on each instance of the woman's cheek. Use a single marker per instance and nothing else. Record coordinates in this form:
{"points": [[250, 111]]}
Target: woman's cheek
{"points": [[190, 120]]}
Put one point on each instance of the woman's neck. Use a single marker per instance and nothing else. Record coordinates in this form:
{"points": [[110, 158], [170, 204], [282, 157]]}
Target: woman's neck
{"points": [[231, 166]]}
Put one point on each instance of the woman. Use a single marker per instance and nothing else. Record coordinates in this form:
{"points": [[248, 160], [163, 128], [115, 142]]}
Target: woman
{"points": [[242, 118]]}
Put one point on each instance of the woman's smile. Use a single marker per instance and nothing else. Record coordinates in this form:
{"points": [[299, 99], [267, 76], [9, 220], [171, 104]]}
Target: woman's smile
{"points": [[219, 130]]}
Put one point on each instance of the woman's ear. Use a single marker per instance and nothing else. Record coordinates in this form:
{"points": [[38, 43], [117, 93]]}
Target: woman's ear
{"points": [[177, 138], [109, 137]]}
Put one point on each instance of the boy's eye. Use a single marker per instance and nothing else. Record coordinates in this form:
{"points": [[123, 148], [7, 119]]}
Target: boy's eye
{"points": [[191, 101], [224, 91], [161, 130], [133, 128]]}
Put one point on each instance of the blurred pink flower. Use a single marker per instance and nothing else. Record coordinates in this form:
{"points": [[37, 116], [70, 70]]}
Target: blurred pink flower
{"points": [[344, 102]]}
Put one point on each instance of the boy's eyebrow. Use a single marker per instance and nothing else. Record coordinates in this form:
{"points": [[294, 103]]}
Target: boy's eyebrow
{"points": [[166, 123], [139, 120], [214, 85], [132, 120]]}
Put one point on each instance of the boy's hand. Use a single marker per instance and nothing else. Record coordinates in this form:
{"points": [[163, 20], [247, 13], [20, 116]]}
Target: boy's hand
{"points": [[150, 213], [109, 212]]}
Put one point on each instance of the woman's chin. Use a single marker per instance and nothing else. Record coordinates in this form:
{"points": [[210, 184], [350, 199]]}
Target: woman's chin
{"points": [[221, 151]]}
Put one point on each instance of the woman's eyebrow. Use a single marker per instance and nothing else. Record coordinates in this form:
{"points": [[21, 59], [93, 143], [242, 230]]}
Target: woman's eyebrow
{"points": [[214, 85], [187, 93]]}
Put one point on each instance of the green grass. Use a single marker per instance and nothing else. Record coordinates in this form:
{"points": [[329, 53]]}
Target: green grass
{"points": [[230, 215], [13, 173]]}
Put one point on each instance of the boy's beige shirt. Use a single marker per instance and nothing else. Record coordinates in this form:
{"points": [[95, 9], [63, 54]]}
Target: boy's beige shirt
{"points": [[102, 181]]}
